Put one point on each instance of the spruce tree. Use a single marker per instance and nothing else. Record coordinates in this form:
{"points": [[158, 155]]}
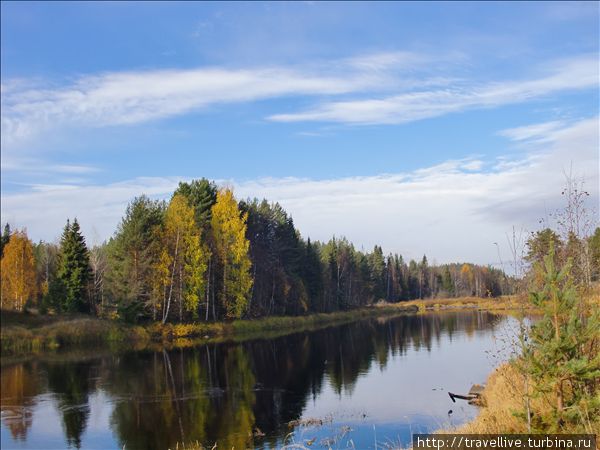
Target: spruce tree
{"points": [[73, 271], [5, 238], [202, 195]]}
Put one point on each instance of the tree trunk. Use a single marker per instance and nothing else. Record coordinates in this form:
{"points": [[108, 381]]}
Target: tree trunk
{"points": [[208, 287], [180, 293], [225, 287], [213, 296], [166, 311]]}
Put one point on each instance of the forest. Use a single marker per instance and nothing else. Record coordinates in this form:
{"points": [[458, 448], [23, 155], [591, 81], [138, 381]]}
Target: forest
{"points": [[205, 256]]}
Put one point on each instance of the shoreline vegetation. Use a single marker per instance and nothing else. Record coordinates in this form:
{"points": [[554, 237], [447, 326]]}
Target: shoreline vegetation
{"points": [[204, 255], [25, 334], [510, 390], [501, 403]]}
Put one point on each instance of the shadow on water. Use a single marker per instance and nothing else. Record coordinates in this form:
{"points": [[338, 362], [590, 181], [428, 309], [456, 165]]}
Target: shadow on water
{"points": [[379, 376]]}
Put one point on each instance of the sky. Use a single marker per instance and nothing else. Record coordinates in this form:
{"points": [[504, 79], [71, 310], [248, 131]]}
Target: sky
{"points": [[428, 128]]}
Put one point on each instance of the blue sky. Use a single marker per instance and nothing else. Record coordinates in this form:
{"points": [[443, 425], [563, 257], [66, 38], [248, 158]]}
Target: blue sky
{"points": [[391, 123]]}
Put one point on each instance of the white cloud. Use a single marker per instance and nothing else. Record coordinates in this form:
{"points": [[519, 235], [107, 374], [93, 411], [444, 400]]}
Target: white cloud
{"points": [[40, 168], [453, 211], [381, 88], [131, 97], [44, 208], [576, 74], [535, 131]]}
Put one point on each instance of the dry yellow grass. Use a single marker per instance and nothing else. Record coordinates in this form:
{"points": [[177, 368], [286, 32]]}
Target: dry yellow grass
{"points": [[504, 396], [504, 303]]}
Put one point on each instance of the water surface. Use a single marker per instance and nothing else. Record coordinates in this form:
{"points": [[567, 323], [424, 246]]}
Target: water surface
{"points": [[367, 383]]}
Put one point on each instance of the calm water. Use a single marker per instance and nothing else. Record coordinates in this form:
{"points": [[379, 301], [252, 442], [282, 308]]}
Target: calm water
{"points": [[371, 381]]}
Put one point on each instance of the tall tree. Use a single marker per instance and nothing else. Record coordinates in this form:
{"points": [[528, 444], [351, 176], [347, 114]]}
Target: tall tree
{"points": [[73, 271], [448, 282], [562, 351], [46, 259], [98, 264], [18, 272], [312, 273], [132, 254], [424, 287], [183, 260], [202, 195], [539, 243], [232, 250], [377, 275]]}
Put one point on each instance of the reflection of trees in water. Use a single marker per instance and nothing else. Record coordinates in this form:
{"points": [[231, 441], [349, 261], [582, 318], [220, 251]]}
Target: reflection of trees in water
{"points": [[224, 392], [72, 383], [200, 394], [19, 386]]}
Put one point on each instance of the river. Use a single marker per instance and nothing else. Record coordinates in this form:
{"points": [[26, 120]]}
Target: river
{"points": [[366, 384]]}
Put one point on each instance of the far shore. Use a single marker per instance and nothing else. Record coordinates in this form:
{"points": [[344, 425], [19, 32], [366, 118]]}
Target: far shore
{"points": [[29, 334]]}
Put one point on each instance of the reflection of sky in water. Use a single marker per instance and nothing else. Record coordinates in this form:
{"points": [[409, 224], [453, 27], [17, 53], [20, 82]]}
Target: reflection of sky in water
{"points": [[409, 395], [384, 402], [47, 430]]}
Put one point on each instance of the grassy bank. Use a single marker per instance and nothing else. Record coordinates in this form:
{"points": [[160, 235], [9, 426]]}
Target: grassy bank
{"points": [[509, 392], [504, 405], [505, 303], [25, 333]]}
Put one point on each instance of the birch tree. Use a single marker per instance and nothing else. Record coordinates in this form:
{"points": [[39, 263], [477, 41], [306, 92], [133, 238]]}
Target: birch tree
{"points": [[228, 226], [18, 272]]}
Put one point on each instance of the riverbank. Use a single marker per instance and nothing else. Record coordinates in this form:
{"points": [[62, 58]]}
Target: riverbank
{"points": [[504, 406], [23, 334], [504, 303], [504, 398]]}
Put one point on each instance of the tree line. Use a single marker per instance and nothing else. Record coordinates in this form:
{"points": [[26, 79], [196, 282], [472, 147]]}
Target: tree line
{"points": [[205, 256]]}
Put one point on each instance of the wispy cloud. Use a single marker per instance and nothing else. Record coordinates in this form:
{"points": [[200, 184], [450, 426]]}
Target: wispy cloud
{"points": [[35, 166], [473, 200], [132, 97], [381, 88], [537, 131], [575, 74]]}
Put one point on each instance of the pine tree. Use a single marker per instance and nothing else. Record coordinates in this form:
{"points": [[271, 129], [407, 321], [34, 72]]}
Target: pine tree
{"points": [[562, 353], [132, 253], [312, 273], [73, 271], [232, 250], [377, 273], [424, 288], [447, 282]]}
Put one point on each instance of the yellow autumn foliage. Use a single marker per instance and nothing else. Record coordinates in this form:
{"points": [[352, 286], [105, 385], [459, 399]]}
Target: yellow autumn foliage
{"points": [[18, 272]]}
